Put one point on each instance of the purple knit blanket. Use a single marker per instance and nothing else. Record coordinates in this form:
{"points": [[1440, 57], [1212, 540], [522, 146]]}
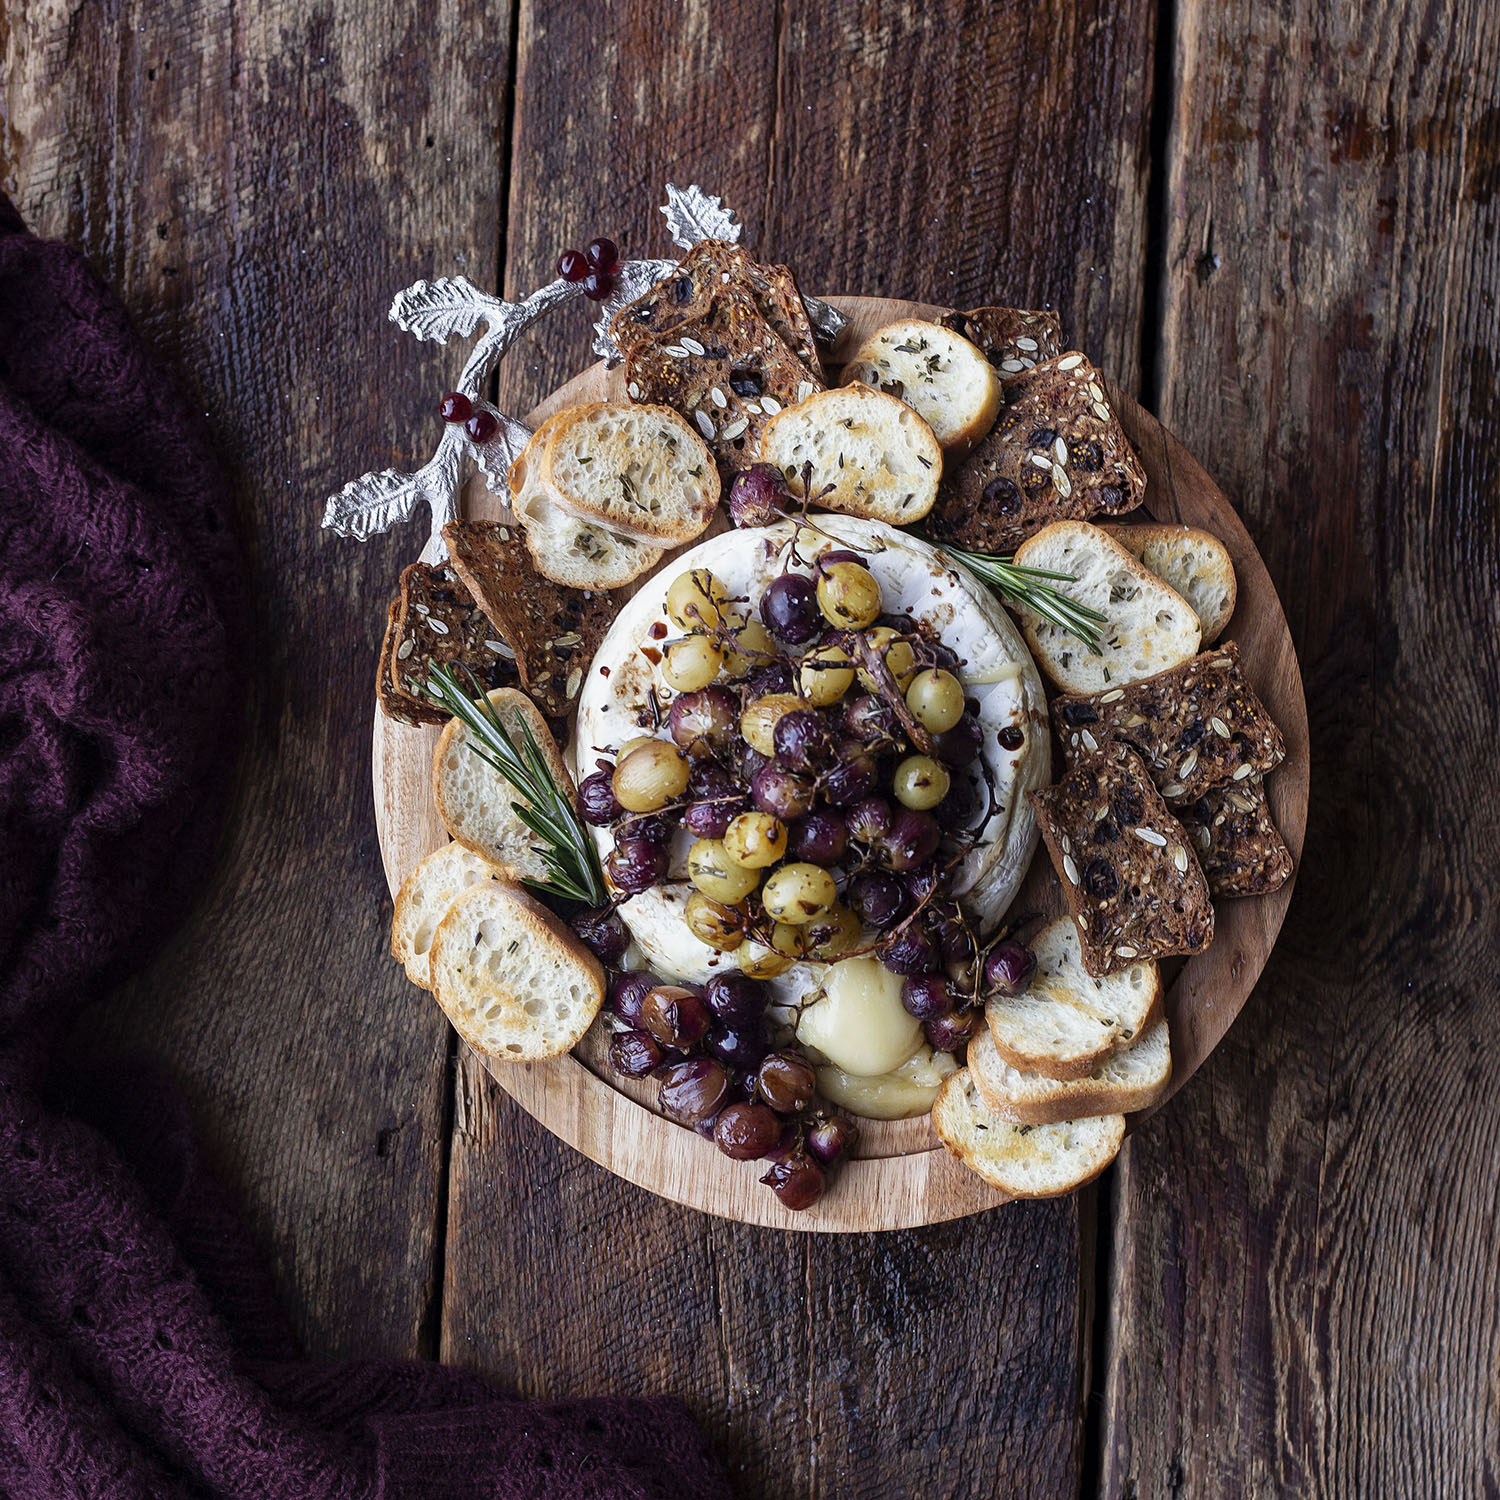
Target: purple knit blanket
{"points": [[141, 1352]]}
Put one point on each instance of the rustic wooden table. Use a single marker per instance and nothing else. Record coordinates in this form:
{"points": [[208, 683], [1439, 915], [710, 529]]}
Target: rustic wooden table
{"points": [[1278, 225]]}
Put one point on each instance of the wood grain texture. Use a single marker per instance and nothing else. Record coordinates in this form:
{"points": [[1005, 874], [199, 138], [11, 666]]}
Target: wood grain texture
{"points": [[255, 182], [1306, 1279], [809, 120], [903, 1178]]}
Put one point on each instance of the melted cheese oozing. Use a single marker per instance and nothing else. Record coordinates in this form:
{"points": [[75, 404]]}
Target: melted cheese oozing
{"points": [[859, 1024], [897, 1095]]}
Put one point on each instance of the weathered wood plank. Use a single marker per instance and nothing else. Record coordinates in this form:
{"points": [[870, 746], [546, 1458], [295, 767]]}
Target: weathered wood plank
{"points": [[256, 183], [1307, 1265], [946, 1361]]}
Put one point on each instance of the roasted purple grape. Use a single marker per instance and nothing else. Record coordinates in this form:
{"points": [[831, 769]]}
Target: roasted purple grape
{"points": [[746, 1131], [853, 778], [870, 821], [1008, 968], [635, 865], [735, 999], [781, 793], [960, 745], [742, 1047], [769, 681], [675, 1016], [596, 799], [802, 741], [693, 1090], [949, 1033], [634, 1053], [704, 721], [870, 720], [789, 608], [603, 932], [909, 951], [926, 996], [798, 1181], [627, 992], [757, 495], [877, 898], [821, 838], [832, 1137], [913, 839], [786, 1082]]}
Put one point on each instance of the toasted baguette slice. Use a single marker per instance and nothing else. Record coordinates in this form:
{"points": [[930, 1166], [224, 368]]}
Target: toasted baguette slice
{"points": [[638, 470], [1131, 1079], [474, 800], [1069, 1021], [1150, 627], [871, 454], [423, 901], [944, 378], [1195, 563], [514, 981], [1026, 1161], [577, 554]]}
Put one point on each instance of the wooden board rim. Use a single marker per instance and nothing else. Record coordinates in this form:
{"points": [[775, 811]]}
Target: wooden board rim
{"points": [[916, 1184]]}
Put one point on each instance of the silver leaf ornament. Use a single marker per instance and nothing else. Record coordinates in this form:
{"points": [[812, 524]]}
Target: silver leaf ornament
{"points": [[694, 215]]}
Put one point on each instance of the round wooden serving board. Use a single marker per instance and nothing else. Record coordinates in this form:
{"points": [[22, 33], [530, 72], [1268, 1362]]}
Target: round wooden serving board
{"points": [[901, 1176]]}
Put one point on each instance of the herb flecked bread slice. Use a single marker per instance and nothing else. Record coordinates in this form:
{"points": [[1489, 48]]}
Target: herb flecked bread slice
{"points": [[395, 704], [639, 470], [1196, 725], [439, 624], [1195, 563], [937, 372], [685, 295], [1132, 883], [516, 984], [1148, 626], [1013, 339], [858, 451], [1237, 842], [551, 630], [1057, 453], [423, 901], [477, 804], [1068, 1021], [1026, 1161], [727, 371], [1130, 1079]]}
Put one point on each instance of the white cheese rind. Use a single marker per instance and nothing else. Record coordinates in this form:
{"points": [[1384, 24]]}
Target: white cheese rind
{"points": [[915, 579]]}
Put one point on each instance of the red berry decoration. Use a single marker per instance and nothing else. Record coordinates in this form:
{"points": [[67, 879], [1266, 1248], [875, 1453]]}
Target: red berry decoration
{"points": [[597, 285], [572, 265], [481, 427], [455, 407], [603, 255]]}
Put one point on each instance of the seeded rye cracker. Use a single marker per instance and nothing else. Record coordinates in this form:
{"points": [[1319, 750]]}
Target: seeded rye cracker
{"points": [[395, 704], [1056, 454], [1241, 850], [1132, 883], [1196, 725], [727, 372], [440, 624], [1013, 339], [552, 630], [684, 297]]}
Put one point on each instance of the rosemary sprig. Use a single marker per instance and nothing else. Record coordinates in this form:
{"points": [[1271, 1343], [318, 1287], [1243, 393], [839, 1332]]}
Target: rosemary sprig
{"points": [[566, 848], [1032, 589]]}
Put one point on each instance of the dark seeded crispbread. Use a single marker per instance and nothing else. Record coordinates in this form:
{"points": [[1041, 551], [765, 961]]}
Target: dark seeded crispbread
{"points": [[1132, 883], [553, 630], [723, 389], [1013, 339], [684, 297], [1056, 453], [395, 704], [440, 624], [1196, 725], [1237, 843]]}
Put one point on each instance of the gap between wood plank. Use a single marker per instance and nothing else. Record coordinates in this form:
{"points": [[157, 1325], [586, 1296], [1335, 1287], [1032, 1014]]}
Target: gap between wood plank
{"points": [[1098, 1337], [430, 1332]]}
